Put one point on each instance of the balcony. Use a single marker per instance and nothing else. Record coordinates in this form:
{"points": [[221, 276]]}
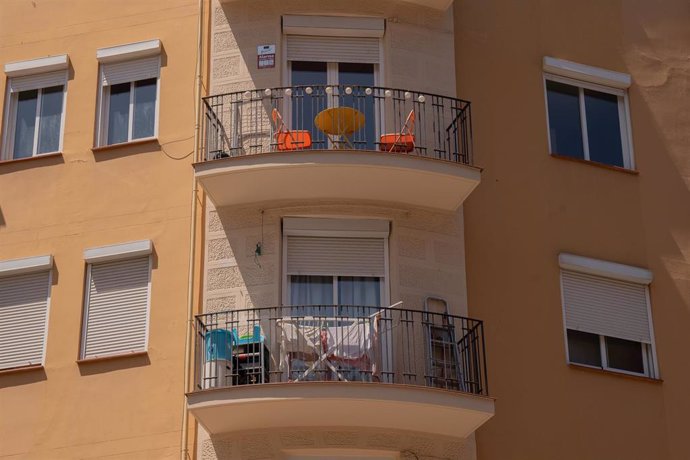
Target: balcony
{"points": [[319, 142], [384, 368]]}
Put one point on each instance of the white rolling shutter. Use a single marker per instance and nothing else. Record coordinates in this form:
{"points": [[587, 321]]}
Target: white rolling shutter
{"points": [[128, 71], [333, 49], [38, 81], [605, 306], [23, 316], [117, 308], [308, 255]]}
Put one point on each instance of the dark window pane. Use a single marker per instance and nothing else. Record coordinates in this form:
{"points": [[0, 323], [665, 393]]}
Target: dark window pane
{"points": [[565, 130], [603, 128], [49, 123], [25, 126], [361, 75], [583, 348], [144, 108], [358, 291], [118, 113], [311, 290], [624, 354], [305, 107]]}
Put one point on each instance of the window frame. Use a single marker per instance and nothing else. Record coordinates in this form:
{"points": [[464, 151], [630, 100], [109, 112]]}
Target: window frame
{"points": [[384, 280], [624, 120], [646, 351], [10, 123], [104, 109], [615, 271]]}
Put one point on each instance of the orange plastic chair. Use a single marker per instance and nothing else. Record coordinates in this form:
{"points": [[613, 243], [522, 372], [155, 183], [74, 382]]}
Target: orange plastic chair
{"points": [[289, 140], [402, 142]]}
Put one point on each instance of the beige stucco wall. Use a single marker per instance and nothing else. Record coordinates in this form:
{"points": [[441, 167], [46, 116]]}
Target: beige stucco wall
{"points": [[416, 40], [276, 444], [128, 407], [426, 253], [530, 207], [426, 247]]}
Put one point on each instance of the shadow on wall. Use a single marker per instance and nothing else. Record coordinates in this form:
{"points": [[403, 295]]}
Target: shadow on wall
{"points": [[239, 277], [114, 364], [23, 377]]}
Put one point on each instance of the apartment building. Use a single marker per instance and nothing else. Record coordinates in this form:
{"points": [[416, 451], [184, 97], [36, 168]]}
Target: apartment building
{"points": [[290, 229], [95, 192]]}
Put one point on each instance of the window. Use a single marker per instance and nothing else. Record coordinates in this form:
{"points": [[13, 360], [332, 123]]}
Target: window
{"points": [[306, 106], [587, 120], [129, 93], [24, 301], [34, 115], [607, 315], [116, 307], [324, 51], [335, 262]]}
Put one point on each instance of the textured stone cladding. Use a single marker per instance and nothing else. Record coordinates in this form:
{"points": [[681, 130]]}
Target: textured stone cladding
{"points": [[417, 40], [426, 254], [276, 444]]}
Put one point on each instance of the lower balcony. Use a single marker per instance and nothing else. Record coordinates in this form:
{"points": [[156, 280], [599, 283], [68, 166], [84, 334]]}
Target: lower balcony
{"points": [[337, 143], [340, 366]]}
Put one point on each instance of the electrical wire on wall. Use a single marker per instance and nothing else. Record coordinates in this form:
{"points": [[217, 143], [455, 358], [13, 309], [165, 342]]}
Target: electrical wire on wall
{"points": [[260, 244]]}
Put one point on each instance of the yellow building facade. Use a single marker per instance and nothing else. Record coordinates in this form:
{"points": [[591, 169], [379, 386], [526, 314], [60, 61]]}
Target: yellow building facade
{"points": [[289, 229], [85, 195]]}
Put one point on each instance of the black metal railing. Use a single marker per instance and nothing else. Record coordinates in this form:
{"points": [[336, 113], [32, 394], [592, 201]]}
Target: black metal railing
{"points": [[337, 117], [340, 343]]}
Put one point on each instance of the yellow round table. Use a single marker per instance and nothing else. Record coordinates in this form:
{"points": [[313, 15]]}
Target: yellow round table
{"points": [[339, 122]]}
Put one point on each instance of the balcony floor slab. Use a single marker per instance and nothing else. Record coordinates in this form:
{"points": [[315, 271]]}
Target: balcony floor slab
{"points": [[340, 404], [352, 175]]}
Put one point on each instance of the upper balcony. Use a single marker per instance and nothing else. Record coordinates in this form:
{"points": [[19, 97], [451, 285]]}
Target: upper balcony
{"points": [[337, 142], [387, 368]]}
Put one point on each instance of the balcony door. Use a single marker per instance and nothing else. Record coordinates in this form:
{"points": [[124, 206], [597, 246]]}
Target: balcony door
{"points": [[311, 96]]}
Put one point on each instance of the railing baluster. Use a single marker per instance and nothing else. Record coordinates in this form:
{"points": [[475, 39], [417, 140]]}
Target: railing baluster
{"points": [[240, 123]]}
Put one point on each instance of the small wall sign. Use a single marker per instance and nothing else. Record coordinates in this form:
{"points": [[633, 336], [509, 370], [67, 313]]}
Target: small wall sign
{"points": [[266, 56]]}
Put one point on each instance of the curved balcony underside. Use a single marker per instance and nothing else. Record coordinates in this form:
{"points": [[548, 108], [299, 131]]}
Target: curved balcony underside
{"points": [[340, 404], [353, 175]]}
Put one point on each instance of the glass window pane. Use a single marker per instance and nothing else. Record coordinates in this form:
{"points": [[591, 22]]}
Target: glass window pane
{"points": [[603, 128], [565, 129], [305, 107], [25, 124], [624, 354], [584, 348], [360, 76], [50, 120], [118, 113], [311, 290], [358, 291], [144, 108]]}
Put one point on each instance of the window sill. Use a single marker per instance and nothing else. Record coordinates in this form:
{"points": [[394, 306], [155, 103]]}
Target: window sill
{"points": [[633, 172], [99, 359], [597, 370], [19, 370], [121, 145], [42, 156]]}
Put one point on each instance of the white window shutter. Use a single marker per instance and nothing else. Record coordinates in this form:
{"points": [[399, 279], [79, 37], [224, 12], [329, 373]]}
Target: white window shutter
{"points": [[605, 306], [128, 71], [23, 316], [363, 50], [117, 308], [307, 255], [38, 81]]}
